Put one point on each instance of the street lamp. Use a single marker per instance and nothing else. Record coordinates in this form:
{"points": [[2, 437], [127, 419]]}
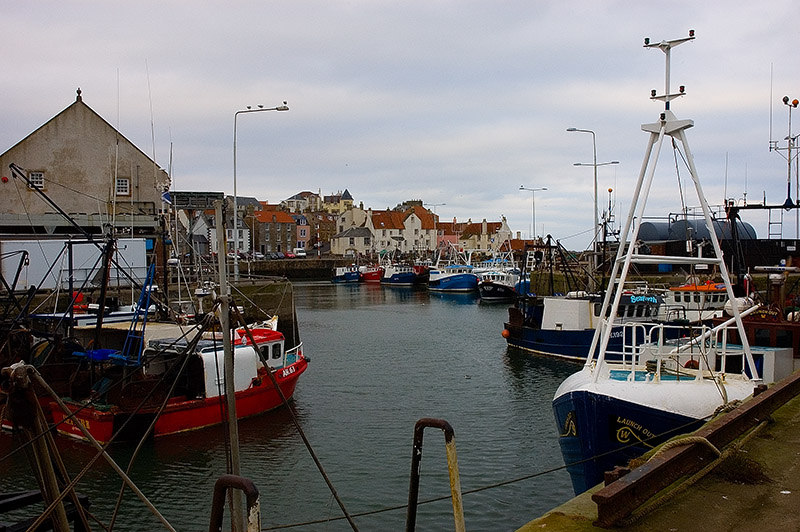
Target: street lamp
{"points": [[249, 109], [435, 229], [594, 164], [533, 207]]}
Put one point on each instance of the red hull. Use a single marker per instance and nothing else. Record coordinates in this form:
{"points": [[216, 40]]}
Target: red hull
{"points": [[182, 415], [372, 276]]}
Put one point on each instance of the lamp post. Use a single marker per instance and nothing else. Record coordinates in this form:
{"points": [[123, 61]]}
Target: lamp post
{"points": [[594, 164], [249, 109], [533, 192], [435, 229]]}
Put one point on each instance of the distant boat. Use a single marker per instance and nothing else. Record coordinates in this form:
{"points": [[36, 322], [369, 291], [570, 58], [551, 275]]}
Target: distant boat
{"points": [[346, 274], [453, 278], [371, 274], [198, 397], [452, 273], [499, 284], [400, 275]]}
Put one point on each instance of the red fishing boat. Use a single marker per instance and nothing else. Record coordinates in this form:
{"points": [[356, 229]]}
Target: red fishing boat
{"points": [[372, 274], [191, 400]]}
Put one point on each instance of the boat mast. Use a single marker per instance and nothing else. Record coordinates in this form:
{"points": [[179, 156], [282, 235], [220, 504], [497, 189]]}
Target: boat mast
{"points": [[230, 389], [667, 125]]}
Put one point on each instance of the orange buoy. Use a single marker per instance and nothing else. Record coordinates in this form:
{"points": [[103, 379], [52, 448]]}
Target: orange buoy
{"points": [[506, 333]]}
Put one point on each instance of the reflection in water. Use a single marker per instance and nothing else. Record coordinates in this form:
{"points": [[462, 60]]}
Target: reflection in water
{"points": [[381, 358]]}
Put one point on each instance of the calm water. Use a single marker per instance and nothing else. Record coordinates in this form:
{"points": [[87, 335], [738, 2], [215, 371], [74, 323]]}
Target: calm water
{"points": [[381, 358]]}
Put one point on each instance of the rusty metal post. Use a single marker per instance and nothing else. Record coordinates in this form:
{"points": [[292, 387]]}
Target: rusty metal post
{"points": [[25, 415], [221, 487], [452, 467]]}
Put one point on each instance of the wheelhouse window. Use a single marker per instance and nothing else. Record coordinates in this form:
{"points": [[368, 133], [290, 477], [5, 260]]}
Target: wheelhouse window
{"points": [[36, 179], [276, 351]]}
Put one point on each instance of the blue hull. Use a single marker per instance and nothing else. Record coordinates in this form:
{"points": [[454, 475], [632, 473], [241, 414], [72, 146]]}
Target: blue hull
{"points": [[349, 277], [573, 345], [467, 282], [401, 279], [598, 433]]}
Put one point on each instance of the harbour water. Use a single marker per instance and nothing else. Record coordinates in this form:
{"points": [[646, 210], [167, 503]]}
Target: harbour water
{"points": [[381, 358]]}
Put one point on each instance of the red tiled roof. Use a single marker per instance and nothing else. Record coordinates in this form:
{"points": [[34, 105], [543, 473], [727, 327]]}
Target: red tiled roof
{"points": [[387, 219], [273, 217]]}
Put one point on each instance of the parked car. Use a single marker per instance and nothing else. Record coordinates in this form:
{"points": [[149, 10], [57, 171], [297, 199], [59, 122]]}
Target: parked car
{"points": [[299, 252], [280, 255], [288, 255], [257, 255]]}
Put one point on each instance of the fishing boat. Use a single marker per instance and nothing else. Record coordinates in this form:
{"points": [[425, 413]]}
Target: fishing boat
{"points": [[195, 399], [453, 278], [563, 325], [611, 411], [499, 278], [500, 284], [346, 274], [452, 273], [695, 302], [371, 274], [397, 274]]}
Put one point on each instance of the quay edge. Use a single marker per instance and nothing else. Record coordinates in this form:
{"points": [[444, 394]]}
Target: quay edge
{"points": [[721, 504]]}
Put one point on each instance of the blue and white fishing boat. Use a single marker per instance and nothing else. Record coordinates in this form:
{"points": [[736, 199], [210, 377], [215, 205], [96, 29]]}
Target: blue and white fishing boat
{"points": [[400, 275], [453, 278], [346, 274], [453, 274], [611, 411]]}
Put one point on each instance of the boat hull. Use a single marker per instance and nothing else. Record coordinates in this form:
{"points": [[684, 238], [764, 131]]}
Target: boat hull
{"points": [[569, 344], [606, 423], [464, 282], [372, 275], [348, 277], [401, 279], [180, 415], [491, 291]]}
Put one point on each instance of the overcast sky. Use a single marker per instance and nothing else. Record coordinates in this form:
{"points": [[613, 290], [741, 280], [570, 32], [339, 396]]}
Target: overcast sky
{"points": [[455, 102]]}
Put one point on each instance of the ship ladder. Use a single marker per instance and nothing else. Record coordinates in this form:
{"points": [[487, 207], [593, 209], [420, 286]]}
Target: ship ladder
{"points": [[131, 354]]}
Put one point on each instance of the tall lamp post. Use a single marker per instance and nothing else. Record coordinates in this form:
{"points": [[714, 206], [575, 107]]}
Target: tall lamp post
{"points": [[594, 164], [249, 109], [533, 192], [435, 229]]}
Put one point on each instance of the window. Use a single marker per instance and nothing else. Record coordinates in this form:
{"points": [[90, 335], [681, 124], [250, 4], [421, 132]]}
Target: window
{"points": [[276, 351], [302, 233], [123, 187], [36, 179]]}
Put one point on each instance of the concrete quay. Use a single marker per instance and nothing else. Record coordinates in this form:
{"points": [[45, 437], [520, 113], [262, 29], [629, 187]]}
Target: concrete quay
{"points": [[756, 489]]}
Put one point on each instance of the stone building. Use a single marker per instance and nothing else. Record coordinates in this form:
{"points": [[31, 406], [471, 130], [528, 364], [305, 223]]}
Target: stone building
{"points": [[89, 170]]}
